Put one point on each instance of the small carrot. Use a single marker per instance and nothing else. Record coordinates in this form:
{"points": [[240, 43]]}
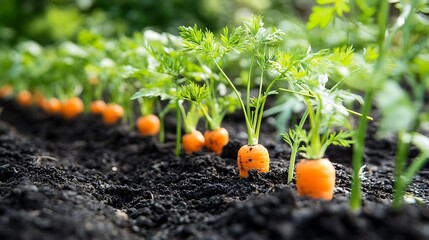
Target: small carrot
{"points": [[71, 108], [6, 91], [53, 106], [193, 142], [112, 113], [148, 125], [97, 107], [252, 157], [39, 99], [216, 139], [315, 178], [24, 98], [44, 105]]}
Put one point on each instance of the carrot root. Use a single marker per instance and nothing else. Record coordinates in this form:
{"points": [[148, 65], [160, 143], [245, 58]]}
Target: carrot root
{"points": [[148, 125], [216, 140], [193, 142], [252, 157], [315, 178], [112, 113]]}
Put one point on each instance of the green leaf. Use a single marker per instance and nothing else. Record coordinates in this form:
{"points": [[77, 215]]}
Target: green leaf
{"points": [[152, 93], [193, 92], [341, 138], [397, 110], [320, 16], [340, 6], [417, 139]]}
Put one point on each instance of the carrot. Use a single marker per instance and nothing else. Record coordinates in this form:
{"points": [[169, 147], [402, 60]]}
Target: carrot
{"points": [[44, 105], [71, 108], [315, 178], [53, 106], [148, 125], [216, 139], [112, 113], [97, 107], [39, 99], [193, 142], [5, 91], [252, 157], [24, 98]]}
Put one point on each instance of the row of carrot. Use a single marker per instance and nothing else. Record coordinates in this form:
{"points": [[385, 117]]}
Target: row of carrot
{"points": [[112, 113], [189, 75], [200, 75]]}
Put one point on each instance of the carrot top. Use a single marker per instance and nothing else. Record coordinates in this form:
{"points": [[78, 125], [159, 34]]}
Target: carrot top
{"points": [[325, 113], [253, 39]]}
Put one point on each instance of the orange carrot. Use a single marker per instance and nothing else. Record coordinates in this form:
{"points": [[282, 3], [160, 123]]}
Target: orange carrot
{"points": [[193, 142], [315, 178], [97, 107], [39, 99], [216, 139], [53, 106], [252, 157], [5, 91], [71, 108], [148, 125], [44, 105], [112, 113], [24, 98]]}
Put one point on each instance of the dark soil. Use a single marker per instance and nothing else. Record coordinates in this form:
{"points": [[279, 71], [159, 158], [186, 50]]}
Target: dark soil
{"points": [[82, 180]]}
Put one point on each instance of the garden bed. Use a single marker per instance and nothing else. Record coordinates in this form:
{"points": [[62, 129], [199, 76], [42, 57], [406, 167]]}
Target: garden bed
{"points": [[80, 179]]}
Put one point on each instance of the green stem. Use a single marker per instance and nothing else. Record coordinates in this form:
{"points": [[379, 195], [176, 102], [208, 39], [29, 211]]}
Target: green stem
{"points": [[295, 148], [249, 81], [250, 132], [161, 116], [358, 149], [358, 146], [257, 116], [314, 130], [401, 156], [178, 128]]}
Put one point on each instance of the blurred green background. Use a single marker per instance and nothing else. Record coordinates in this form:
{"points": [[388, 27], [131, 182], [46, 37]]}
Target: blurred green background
{"points": [[52, 21]]}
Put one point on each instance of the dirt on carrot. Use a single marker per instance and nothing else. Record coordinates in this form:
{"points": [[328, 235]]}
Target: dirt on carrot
{"points": [[315, 178], [253, 157]]}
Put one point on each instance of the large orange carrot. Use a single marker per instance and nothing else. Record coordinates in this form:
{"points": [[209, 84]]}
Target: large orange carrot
{"points": [[315, 178], [193, 142], [216, 139], [148, 125], [71, 108], [97, 107], [252, 157], [113, 113]]}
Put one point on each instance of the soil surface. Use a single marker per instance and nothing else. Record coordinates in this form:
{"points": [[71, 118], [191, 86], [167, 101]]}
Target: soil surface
{"points": [[82, 180]]}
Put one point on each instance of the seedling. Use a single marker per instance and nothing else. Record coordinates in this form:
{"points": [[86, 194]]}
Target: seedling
{"points": [[193, 140], [261, 44], [325, 113]]}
